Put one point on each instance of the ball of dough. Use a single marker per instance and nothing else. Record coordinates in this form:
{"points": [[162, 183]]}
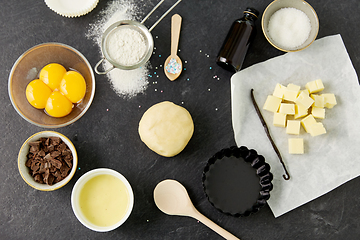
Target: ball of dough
{"points": [[166, 128]]}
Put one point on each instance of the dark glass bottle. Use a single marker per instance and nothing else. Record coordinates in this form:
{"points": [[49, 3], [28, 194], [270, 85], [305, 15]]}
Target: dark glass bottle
{"points": [[237, 42]]}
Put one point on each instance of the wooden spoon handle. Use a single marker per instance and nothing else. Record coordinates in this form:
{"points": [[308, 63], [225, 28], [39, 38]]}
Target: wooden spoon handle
{"points": [[222, 232], [175, 33]]}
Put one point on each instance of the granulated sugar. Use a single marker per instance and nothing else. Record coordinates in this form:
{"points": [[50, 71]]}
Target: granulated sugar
{"points": [[126, 83], [289, 27]]}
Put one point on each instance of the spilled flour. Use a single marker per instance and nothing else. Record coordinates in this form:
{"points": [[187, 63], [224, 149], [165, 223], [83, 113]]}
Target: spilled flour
{"points": [[126, 83]]}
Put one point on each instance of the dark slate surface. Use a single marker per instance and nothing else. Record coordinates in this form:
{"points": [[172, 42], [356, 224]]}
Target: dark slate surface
{"points": [[109, 138]]}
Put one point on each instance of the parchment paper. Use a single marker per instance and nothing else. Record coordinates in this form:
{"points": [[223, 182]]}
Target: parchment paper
{"points": [[329, 160]]}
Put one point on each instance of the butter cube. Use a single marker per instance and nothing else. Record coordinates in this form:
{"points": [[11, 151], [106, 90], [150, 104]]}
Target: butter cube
{"points": [[304, 100], [319, 100], [287, 108], [300, 111], [316, 129], [318, 112], [279, 91], [272, 103], [279, 120], [305, 91], [291, 92], [329, 100], [315, 86], [296, 145], [293, 127], [293, 87], [307, 122]]}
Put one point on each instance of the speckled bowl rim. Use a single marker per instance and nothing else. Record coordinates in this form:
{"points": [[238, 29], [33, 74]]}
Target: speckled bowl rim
{"points": [[261, 168], [92, 94], [80, 184], [24, 150], [272, 43]]}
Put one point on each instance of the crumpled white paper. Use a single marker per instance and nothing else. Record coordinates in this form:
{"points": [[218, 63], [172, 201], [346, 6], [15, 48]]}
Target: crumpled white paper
{"points": [[329, 160]]}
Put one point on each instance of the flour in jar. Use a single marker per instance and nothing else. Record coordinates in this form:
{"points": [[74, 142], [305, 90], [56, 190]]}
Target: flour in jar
{"points": [[126, 46]]}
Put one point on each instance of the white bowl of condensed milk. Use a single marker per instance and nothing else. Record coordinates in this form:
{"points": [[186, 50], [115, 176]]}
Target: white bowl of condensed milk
{"points": [[102, 199]]}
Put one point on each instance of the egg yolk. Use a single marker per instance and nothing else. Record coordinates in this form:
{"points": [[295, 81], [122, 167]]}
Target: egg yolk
{"points": [[52, 75], [58, 105], [73, 86], [37, 93]]}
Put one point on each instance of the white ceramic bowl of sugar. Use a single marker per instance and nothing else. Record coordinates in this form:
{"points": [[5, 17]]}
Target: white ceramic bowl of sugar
{"points": [[291, 44]]}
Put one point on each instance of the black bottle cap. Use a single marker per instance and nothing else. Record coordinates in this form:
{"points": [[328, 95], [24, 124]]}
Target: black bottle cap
{"points": [[252, 11]]}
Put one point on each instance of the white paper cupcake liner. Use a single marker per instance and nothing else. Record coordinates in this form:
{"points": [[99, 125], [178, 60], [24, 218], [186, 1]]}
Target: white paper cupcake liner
{"points": [[71, 8]]}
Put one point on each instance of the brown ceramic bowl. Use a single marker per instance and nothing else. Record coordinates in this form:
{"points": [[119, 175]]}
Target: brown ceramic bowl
{"points": [[27, 68]]}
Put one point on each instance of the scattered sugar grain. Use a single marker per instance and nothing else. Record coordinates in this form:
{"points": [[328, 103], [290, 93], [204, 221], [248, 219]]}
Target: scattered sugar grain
{"points": [[289, 28], [128, 83]]}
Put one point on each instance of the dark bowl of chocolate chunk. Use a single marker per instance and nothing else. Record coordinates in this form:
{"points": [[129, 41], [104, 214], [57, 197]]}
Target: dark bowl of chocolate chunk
{"points": [[47, 160]]}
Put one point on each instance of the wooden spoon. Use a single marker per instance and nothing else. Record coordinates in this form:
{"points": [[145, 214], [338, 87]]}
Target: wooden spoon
{"points": [[175, 34], [172, 198]]}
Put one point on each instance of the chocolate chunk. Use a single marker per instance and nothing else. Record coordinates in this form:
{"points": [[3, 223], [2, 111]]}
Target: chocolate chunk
{"points": [[49, 160], [47, 142], [48, 157], [43, 140], [38, 178], [30, 155], [35, 166], [64, 170], [55, 140], [56, 163], [68, 160], [47, 165], [50, 148], [66, 152], [34, 146], [58, 179], [55, 153], [57, 174], [62, 146], [48, 178], [28, 162], [41, 153], [42, 168]]}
